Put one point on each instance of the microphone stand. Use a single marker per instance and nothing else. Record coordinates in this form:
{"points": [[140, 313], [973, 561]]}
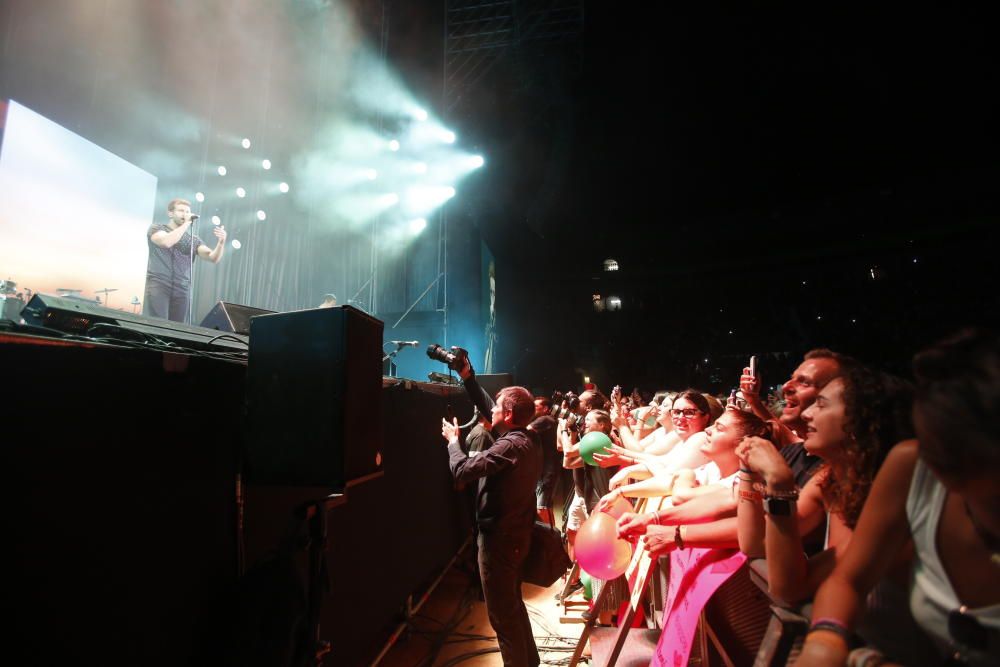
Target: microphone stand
{"points": [[389, 357], [190, 316]]}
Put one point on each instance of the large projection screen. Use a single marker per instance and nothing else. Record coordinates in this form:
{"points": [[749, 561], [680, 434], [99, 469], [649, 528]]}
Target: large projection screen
{"points": [[73, 216]]}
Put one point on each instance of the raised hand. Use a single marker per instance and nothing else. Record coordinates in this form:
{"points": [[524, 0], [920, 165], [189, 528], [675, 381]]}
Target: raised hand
{"points": [[763, 458], [631, 526], [450, 431], [750, 386]]}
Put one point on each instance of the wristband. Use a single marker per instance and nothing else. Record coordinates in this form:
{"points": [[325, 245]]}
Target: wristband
{"points": [[750, 495], [829, 620], [678, 538], [656, 517], [748, 471], [785, 495], [829, 638], [832, 625]]}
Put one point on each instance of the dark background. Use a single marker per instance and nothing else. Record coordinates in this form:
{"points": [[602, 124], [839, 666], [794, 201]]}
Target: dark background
{"points": [[770, 179]]}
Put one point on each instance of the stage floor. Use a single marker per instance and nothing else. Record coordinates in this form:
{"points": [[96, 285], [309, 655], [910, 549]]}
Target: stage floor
{"points": [[456, 603], [471, 642]]}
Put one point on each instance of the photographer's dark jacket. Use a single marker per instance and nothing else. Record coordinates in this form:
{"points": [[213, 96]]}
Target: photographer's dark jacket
{"points": [[507, 473]]}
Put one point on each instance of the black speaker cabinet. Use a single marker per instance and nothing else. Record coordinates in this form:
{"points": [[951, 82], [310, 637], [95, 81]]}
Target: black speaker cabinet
{"points": [[494, 382], [314, 390], [231, 317]]}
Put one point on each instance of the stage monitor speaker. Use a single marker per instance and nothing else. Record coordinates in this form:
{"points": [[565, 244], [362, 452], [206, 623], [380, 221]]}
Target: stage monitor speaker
{"points": [[232, 317], [314, 392], [494, 382], [74, 316]]}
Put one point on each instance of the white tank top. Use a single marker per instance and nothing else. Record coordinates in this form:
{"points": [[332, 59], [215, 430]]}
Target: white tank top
{"points": [[931, 596]]}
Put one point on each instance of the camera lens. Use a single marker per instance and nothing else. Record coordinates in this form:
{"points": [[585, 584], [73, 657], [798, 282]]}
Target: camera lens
{"points": [[438, 353]]}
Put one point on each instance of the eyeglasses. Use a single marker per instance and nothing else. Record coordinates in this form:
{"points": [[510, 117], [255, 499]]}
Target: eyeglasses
{"points": [[967, 633], [687, 413]]}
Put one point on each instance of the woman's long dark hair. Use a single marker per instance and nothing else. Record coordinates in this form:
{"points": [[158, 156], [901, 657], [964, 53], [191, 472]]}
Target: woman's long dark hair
{"points": [[876, 417], [958, 402]]}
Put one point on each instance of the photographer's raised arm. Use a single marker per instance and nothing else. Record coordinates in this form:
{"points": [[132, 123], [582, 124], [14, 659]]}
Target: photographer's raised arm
{"points": [[482, 400]]}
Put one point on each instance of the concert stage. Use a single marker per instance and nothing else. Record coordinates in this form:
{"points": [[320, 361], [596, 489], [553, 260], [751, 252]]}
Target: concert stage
{"points": [[133, 543]]}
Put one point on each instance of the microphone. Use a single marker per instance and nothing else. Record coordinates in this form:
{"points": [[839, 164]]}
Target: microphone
{"points": [[405, 343], [194, 216]]}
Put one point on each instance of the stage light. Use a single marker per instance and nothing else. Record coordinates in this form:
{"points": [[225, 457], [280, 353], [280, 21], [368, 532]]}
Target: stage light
{"points": [[477, 161], [394, 145], [422, 199], [199, 196], [448, 137], [420, 114], [221, 170], [390, 199], [261, 215], [236, 244], [216, 220], [418, 225], [420, 168], [371, 174], [266, 164], [283, 187], [241, 193], [245, 143]]}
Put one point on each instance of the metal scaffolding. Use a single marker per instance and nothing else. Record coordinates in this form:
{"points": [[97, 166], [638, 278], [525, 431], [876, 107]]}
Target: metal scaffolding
{"points": [[481, 33]]}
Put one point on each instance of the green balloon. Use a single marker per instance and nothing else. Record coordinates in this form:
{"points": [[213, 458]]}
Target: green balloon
{"points": [[588, 585], [593, 443]]}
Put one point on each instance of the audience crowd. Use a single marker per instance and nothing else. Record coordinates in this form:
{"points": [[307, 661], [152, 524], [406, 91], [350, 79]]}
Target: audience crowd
{"points": [[870, 503]]}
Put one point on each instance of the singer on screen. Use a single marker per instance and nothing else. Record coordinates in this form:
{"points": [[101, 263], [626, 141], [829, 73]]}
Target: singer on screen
{"points": [[171, 255]]}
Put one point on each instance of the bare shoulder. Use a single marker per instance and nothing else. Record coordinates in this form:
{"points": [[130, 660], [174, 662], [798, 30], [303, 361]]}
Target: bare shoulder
{"points": [[900, 462]]}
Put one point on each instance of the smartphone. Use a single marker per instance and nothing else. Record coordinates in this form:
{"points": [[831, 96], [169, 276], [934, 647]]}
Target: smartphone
{"points": [[753, 366]]}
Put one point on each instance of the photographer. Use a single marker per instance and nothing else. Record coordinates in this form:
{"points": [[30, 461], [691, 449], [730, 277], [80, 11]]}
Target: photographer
{"points": [[545, 426], [506, 474]]}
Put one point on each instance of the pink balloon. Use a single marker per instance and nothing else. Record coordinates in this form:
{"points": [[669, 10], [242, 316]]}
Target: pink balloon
{"points": [[619, 507], [599, 551]]}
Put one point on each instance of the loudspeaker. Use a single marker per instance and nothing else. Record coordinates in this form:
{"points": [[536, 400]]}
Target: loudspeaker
{"points": [[494, 382], [81, 317], [314, 391], [232, 317]]}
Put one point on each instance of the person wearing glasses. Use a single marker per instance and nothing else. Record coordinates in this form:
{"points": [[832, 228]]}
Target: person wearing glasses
{"points": [[690, 414], [940, 493], [818, 367], [658, 441]]}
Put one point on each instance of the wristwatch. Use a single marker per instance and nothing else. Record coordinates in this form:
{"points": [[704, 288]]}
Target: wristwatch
{"points": [[779, 503]]}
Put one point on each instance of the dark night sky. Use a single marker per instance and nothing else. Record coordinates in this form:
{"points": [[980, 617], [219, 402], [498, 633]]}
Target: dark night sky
{"points": [[725, 158]]}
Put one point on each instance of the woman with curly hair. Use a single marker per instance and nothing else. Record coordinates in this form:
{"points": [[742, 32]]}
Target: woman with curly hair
{"points": [[852, 425], [941, 494]]}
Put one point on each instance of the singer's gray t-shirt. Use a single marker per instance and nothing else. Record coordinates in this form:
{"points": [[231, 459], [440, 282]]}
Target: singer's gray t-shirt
{"points": [[171, 266]]}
